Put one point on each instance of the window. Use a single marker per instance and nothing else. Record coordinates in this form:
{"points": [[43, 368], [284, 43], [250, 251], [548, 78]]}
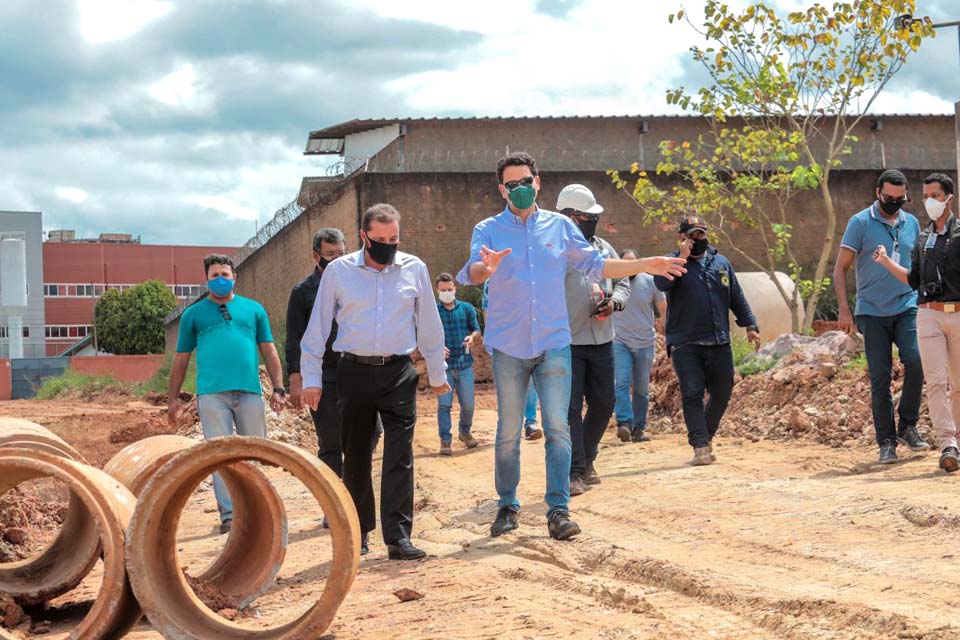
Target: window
{"points": [[72, 331], [26, 332]]}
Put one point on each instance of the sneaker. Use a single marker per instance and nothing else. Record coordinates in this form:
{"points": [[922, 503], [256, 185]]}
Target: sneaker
{"points": [[446, 449], [702, 456], [534, 432], [468, 440], [950, 459], [225, 526], [888, 452], [577, 486], [591, 476], [637, 435], [561, 527], [912, 438], [506, 521], [623, 432]]}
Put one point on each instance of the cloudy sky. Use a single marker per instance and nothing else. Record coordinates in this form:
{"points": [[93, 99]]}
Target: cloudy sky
{"points": [[185, 122]]}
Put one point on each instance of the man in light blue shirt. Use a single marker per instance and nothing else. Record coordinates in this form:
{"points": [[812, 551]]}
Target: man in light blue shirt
{"points": [[634, 340], [524, 251], [886, 310], [382, 301]]}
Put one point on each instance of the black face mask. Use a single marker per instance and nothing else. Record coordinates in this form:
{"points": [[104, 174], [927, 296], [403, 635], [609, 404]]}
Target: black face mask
{"points": [[381, 252], [588, 228], [890, 207], [323, 262], [699, 246]]}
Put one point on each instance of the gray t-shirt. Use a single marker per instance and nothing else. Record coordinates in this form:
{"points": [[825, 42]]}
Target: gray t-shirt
{"points": [[633, 326]]}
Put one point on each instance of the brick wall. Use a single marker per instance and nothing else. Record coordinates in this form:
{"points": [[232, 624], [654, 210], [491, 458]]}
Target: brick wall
{"points": [[133, 369], [6, 383]]}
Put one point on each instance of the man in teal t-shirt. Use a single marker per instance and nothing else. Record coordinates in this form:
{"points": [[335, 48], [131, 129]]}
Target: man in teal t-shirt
{"points": [[229, 332]]}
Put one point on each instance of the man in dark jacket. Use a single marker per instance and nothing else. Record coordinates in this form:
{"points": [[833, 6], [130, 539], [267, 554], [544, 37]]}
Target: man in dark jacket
{"points": [[698, 333]]}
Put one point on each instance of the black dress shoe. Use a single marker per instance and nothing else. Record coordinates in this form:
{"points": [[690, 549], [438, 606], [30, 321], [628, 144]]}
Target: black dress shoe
{"points": [[403, 549], [364, 547], [506, 521]]}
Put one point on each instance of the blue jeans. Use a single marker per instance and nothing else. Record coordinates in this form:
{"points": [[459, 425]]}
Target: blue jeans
{"points": [[461, 382], [551, 376], [632, 367], [530, 414], [880, 333], [218, 413]]}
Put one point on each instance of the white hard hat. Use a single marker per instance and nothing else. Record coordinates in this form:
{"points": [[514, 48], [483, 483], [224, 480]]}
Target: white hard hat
{"points": [[578, 197]]}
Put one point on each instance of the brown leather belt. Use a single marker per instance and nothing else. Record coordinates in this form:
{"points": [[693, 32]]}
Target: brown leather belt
{"points": [[946, 307]]}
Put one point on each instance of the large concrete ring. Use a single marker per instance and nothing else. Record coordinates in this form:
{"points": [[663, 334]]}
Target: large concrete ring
{"points": [[257, 544], [158, 582], [110, 506], [62, 565]]}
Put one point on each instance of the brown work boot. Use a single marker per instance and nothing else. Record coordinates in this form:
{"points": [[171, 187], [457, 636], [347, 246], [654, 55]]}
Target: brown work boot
{"points": [[578, 486], [468, 440], [702, 456], [446, 449], [591, 476], [623, 432]]}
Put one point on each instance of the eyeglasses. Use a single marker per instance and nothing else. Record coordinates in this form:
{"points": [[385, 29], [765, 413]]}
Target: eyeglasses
{"points": [[891, 200], [225, 313], [513, 184], [580, 214], [331, 255]]}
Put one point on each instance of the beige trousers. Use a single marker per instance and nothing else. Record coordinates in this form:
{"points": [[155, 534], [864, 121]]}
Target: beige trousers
{"points": [[938, 334]]}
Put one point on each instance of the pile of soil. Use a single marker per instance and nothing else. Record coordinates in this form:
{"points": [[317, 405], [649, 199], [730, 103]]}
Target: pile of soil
{"points": [[211, 596], [825, 399], [12, 617], [30, 517]]}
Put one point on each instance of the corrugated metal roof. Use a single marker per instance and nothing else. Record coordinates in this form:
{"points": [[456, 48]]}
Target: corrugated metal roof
{"points": [[358, 125]]}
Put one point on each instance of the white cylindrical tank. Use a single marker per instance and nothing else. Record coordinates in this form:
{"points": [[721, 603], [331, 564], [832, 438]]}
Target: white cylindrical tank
{"points": [[772, 312], [13, 272]]}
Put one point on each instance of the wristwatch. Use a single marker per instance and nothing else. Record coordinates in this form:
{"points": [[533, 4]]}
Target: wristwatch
{"points": [[280, 390]]}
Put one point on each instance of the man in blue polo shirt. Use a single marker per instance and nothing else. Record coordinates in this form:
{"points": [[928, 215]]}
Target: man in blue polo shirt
{"points": [[229, 332], [524, 251], [460, 328], [886, 310]]}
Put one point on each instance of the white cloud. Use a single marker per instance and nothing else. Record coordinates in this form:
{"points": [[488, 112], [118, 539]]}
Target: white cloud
{"points": [[72, 194], [181, 89], [104, 21]]}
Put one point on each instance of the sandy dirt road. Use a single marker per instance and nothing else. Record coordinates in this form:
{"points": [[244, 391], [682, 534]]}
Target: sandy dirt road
{"points": [[776, 540]]}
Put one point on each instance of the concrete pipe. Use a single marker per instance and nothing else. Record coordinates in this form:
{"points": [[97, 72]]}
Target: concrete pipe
{"points": [[773, 314], [110, 505], [72, 554], [167, 600], [257, 543], [16, 432]]}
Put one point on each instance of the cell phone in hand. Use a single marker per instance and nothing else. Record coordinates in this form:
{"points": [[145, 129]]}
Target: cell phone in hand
{"points": [[603, 302]]}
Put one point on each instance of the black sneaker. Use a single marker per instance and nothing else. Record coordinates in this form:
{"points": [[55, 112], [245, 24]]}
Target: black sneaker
{"points": [[888, 452], [950, 459], [364, 544], [506, 521], [637, 435], [561, 527], [912, 438], [226, 526]]}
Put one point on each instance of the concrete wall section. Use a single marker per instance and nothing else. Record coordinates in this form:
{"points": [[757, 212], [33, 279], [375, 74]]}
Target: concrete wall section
{"points": [[28, 223]]}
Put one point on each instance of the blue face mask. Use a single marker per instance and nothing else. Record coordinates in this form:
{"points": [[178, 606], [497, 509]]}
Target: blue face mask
{"points": [[220, 287]]}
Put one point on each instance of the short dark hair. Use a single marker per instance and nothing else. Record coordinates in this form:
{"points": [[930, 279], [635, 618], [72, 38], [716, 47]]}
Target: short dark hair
{"points": [[516, 159], [217, 258], [328, 235], [445, 277], [629, 250], [892, 176], [946, 182], [382, 212]]}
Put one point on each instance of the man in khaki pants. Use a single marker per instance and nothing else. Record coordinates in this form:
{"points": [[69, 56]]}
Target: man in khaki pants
{"points": [[935, 274]]}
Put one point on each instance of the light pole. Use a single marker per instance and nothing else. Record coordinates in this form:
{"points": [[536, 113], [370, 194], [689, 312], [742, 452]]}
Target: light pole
{"points": [[907, 19]]}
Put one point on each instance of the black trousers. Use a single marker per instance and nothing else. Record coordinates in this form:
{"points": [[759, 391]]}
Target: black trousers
{"points": [[700, 369], [391, 390], [591, 378], [326, 421]]}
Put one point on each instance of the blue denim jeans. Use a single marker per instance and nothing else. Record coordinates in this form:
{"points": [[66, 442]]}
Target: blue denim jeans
{"points": [[631, 367], [461, 382], [551, 376], [530, 414], [879, 336], [218, 414]]}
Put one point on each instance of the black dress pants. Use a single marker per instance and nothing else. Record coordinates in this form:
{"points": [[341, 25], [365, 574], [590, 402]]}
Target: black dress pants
{"points": [[591, 379], [390, 389], [703, 369]]}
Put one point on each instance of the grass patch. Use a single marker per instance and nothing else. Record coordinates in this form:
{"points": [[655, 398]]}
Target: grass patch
{"points": [[161, 379], [857, 364], [742, 348], [73, 384]]}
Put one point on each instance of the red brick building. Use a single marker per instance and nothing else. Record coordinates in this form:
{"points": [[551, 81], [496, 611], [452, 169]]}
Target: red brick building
{"points": [[75, 275]]}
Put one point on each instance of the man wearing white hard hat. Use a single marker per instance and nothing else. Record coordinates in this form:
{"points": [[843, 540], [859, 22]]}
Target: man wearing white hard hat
{"points": [[590, 305]]}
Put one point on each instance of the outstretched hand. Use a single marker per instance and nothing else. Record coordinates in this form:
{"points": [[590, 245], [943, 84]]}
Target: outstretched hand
{"points": [[666, 266], [491, 259]]}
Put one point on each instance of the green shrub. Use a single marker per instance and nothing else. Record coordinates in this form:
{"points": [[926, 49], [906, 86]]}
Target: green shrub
{"points": [[71, 383], [161, 379]]}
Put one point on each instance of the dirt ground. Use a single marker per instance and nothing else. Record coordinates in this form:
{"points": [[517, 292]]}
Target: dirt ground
{"points": [[776, 540]]}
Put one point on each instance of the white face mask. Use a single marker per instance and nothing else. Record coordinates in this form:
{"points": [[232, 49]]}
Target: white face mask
{"points": [[934, 208], [447, 297]]}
